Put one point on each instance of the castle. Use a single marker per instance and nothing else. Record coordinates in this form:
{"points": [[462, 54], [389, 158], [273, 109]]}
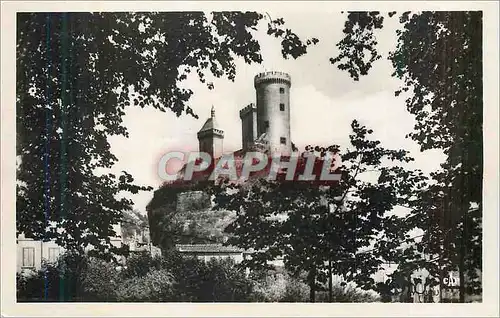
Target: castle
{"points": [[265, 126]]}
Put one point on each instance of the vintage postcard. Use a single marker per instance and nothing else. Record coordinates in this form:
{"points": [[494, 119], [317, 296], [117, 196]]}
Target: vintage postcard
{"points": [[249, 158]]}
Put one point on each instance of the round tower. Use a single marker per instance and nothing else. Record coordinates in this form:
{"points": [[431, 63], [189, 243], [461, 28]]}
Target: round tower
{"points": [[273, 110]]}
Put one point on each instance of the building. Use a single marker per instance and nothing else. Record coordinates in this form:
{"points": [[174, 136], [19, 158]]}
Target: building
{"points": [[211, 137], [31, 254], [265, 125], [265, 128], [207, 252]]}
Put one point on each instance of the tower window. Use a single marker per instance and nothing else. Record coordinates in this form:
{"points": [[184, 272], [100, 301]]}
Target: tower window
{"points": [[283, 140], [266, 124], [282, 90], [282, 107]]}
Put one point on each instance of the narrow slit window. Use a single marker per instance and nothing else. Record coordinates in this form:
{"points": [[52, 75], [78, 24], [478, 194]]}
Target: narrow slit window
{"points": [[266, 124], [282, 90], [282, 107]]}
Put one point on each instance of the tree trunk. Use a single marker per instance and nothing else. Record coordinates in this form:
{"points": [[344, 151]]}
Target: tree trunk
{"points": [[330, 282], [441, 275], [461, 269], [461, 275], [312, 284]]}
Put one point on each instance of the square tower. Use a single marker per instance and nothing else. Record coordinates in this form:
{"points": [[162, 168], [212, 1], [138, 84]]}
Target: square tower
{"points": [[248, 116], [211, 137]]}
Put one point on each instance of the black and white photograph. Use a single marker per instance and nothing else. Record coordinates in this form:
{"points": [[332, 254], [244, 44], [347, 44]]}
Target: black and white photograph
{"points": [[253, 154]]}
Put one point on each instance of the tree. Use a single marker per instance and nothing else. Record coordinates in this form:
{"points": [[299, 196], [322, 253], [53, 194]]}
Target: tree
{"points": [[76, 75], [439, 60], [316, 225]]}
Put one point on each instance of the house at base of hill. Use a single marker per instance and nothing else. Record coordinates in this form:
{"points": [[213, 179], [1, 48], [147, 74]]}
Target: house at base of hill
{"points": [[31, 254], [206, 252]]}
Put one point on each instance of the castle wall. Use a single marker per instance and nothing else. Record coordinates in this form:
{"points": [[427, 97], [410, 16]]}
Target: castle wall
{"points": [[192, 200]]}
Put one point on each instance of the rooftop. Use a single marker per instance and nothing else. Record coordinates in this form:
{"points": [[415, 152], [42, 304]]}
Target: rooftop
{"points": [[208, 248], [273, 77], [211, 124]]}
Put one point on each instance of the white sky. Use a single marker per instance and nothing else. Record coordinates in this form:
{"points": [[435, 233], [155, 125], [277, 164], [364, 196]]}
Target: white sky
{"points": [[323, 103]]}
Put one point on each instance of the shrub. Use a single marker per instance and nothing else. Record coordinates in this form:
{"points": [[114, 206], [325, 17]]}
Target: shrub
{"points": [[348, 293], [54, 282], [271, 286], [296, 290], [227, 281], [140, 264], [155, 286], [100, 281], [143, 278], [41, 285], [191, 277], [217, 280]]}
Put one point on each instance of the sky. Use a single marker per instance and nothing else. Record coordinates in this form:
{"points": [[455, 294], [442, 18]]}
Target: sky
{"points": [[323, 103]]}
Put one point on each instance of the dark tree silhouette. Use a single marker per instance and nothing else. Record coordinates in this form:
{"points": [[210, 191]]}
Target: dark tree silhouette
{"points": [[326, 229], [439, 60], [77, 73]]}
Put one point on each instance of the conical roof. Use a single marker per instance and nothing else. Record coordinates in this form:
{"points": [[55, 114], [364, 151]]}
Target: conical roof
{"points": [[211, 124]]}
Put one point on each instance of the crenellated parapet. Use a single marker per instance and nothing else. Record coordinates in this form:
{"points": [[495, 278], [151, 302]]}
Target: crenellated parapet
{"points": [[272, 77], [247, 109], [211, 132]]}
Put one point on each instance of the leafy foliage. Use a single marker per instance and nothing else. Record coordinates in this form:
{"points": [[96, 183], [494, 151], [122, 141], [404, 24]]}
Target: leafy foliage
{"points": [[347, 293], [311, 225], [76, 75], [291, 45], [62, 281], [439, 60], [101, 281], [141, 278], [359, 30], [278, 287], [140, 264], [155, 286]]}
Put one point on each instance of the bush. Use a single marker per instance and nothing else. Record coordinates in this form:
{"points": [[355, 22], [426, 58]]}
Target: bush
{"points": [[227, 281], [143, 278], [157, 285], [191, 276], [54, 282], [273, 286], [41, 285], [296, 290], [348, 293], [100, 281], [191, 279], [140, 264]]}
